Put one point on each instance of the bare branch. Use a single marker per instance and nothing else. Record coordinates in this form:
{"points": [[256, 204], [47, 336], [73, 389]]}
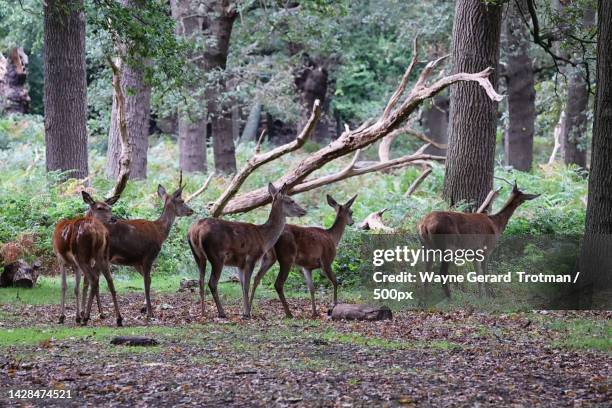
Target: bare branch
{"points": [[260, 141], [360, 138], [416, 183], [125, 158], [201, 189], [486, 204], [559, 128], [351, 170], [425, 138], [259, 160], [402, 86]]}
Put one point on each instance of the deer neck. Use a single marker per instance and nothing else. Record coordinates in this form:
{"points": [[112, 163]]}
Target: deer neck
{"points": [[502, 217], [165, 221], [337, 229], [272, 229]]}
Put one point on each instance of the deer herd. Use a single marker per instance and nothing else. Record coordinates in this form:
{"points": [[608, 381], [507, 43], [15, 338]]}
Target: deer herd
{"points": [[89, 244]]}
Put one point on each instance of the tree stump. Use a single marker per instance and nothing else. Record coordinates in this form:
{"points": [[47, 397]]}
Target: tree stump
{"points": [[345, 311], [134, 341], [19, 274]]}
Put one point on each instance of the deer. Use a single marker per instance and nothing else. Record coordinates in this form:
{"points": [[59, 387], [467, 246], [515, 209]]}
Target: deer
{"points": [[238, 244], [137, 243], [309, 248], [455, 230], [83, 244]]}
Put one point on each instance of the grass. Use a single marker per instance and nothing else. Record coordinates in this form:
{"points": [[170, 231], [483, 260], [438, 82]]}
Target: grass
{"points": [[584, 334]]}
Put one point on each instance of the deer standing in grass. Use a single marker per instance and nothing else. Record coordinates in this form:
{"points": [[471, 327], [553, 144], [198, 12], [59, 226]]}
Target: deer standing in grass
{"points": [[442, 230], [83, 244], [238, 244], [137, 243], [309, 248]]}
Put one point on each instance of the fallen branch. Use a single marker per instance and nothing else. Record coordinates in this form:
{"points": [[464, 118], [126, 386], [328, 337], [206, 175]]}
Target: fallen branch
{"points": [[352, 170], [201, 189], [125, 158], [375, 222], [486, 204], [559, 129], [258, 160], [416, 183], [359, 138]]}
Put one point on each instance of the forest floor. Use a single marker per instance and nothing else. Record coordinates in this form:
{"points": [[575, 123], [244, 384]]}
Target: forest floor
{"points": [[424, 358]]}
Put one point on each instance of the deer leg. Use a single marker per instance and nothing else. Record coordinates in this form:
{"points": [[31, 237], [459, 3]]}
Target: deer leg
{"points": [[201, 263], [308, 277], [444, 272], [426, 284], [279, 286], [111, 287], [217, 267], [266, 263], [329, 273], [245, 278], [147, 285], [95, 281], [488, 287], [77, 288], [84, 294], [62, 266], [102, 316]]}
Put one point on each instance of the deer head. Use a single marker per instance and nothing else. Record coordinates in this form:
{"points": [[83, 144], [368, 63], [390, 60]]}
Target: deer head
{"points": [[519, 197], [343, 212], [100, 209], [289, 207], [174, 202]]}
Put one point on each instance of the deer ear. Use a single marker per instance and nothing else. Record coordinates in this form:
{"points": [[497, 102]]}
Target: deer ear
{"points": [[530, 196], [332, 202], [87, 198], [350, 202], [515, 187], [272, 190], [112, 200], [178, 192], [161, 191]]}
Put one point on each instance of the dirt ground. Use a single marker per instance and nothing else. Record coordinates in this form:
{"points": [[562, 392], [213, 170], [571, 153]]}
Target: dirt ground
{"points": [[418, 359]]}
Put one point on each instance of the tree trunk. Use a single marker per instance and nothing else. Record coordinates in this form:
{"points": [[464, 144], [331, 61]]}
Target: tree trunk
{"points": [[191, 120], [518, 140], [599, 208], [65, 87], [435, 122], [573, 133], [252, 123], [14, 97], [473, 116], [218, 23], [137, 112], [311, 82]]}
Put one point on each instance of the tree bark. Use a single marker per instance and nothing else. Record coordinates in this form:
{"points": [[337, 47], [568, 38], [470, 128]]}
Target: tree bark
{"points": [[573, 135], [435, 122], [252, 123], [217, 25], [473, 116], [192, 119], [137, 95], [599, 207], [14, 97], [518, 140], [312, 82], [65, 87]]}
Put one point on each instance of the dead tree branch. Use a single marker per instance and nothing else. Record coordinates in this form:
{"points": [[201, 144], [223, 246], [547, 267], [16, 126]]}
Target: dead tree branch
{"points": [[201, 189], [359, 138], [486, 204], [125, 158], [416, 183], [375, 222], [258, 160]]}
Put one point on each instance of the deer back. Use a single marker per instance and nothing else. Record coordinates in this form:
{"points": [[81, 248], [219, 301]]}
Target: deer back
{"points": [[311, 245], [81, 239], [132, 241]]}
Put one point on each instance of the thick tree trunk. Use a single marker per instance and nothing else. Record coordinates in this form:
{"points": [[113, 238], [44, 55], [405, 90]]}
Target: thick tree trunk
{"points": [[192, 120], [137, 112], [252, 123], [518, 141], [435, 122], [65, 88], [312, 82], [599, 208], [473, 116], [14, 97], [218, 23]]}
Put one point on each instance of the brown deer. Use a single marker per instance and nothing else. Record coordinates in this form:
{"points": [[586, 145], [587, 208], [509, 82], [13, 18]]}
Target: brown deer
{"points": [[137, 243], [456, 230], [310, 248], [238, 244], [83, 244]]}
